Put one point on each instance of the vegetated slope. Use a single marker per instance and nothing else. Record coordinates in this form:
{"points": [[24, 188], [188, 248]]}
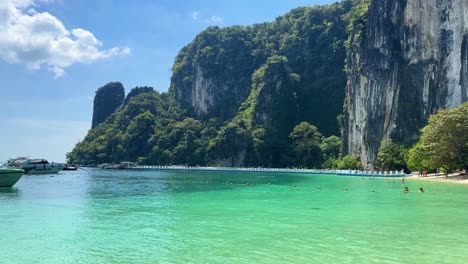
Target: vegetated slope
{"points": [[236, 95]]}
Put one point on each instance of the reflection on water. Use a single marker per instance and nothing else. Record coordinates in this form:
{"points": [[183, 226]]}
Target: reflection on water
{"points": [[6, 193]]}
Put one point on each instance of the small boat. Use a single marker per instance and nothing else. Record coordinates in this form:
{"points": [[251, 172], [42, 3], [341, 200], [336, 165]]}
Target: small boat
{"points": [[9, 176], [126, 165], [121, 166], [105, 166], [36, 166], [70, 168]]}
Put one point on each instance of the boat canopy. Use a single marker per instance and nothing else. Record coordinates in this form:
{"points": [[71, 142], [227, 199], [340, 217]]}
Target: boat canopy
{"points": [[38, 161]]}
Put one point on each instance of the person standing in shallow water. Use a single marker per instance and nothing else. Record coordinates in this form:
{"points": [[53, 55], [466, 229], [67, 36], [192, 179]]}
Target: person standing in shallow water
{"points": [[402, 180]]}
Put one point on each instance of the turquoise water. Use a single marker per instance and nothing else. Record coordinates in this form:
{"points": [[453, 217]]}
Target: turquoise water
{"points": [[99, 216]]}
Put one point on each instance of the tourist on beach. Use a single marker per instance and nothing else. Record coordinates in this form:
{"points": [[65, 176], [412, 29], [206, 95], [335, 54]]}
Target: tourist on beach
{"points": [[421, 189]]}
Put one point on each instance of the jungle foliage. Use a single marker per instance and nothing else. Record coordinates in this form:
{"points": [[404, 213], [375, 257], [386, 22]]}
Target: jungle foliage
{"points": [[152, 128], [269, 82], [443, 143]]}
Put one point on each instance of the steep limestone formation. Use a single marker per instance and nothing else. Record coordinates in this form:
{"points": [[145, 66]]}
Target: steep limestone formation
{"points": [[212, 76], [108, 98], [407, 59], [237, 92]]}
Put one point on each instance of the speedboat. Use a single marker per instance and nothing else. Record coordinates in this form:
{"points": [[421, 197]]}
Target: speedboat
{"points": [[70, 168], [9, 176], [36, 166]]}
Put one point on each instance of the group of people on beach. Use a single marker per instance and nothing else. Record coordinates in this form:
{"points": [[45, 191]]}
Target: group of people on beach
{"points": [[423, 173]]}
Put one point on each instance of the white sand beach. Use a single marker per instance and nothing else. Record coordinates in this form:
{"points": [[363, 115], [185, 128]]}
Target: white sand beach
{"points": [[460, 178]]}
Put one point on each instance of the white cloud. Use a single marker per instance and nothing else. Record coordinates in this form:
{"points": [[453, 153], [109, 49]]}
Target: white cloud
{"points": [[195, 15], [216, 19], [58, 72], [35, 39]]}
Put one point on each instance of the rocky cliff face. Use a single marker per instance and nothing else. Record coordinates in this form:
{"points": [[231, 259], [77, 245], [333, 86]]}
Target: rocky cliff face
{"points": [[212, 76], [108, 98], [409, 60]]}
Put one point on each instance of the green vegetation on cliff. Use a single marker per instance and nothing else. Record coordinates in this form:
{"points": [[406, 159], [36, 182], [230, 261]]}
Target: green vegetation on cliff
{"points": [[263, 95], [443, 143], [217, 73], [108, 98], [152, 128], [391, 156]]}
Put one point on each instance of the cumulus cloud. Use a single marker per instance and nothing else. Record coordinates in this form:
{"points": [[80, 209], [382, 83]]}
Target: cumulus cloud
{"points": [[36, 39]]}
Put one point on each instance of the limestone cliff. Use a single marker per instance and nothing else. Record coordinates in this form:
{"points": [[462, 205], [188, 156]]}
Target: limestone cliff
{"points": [[212, 76], [407, 59], [108, 98]]}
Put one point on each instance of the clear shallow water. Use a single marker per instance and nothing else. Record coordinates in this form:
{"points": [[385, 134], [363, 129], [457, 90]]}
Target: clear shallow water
{"points": [[98, 216]]}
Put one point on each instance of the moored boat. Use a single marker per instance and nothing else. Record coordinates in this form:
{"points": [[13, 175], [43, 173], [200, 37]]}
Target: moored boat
{"points": [[36, 166], [9, 176], [121, 166], [70, 168]]}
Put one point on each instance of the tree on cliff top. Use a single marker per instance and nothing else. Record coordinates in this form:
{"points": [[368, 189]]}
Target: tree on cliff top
{"points": [[443, 143]]}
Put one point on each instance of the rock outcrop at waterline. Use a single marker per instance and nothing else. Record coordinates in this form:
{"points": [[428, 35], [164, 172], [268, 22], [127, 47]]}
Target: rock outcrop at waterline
{"points": [[409, 59], [108, 98]]}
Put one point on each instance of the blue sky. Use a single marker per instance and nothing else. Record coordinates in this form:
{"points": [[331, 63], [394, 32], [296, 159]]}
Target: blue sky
{"points": [[54, 54]]}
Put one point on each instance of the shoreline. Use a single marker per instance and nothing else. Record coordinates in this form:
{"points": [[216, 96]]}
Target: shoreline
{"points": [[450, 178], [348, 172]]}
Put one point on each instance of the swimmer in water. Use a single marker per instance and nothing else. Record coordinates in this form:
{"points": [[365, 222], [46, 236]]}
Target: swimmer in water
{"points": [[406, 190], [372, 190], [421, 189], [345, 189]]}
